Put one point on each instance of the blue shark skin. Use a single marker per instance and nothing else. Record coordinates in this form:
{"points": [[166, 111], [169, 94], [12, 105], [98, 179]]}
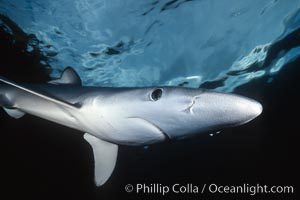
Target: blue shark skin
{"points": [[126, 116]]}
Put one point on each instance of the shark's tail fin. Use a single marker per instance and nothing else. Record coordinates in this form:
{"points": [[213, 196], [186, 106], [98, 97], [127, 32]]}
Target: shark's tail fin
{"points": [[5, 102], [9, 91], [15, 113]]}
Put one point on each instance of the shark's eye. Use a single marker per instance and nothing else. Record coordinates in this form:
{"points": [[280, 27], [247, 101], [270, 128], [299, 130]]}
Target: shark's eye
{"points": [[156, 94]]}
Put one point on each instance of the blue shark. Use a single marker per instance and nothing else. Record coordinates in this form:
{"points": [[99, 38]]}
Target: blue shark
{"points": [[125, 116]]}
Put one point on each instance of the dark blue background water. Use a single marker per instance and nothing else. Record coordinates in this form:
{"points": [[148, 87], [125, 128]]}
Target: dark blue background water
{"points": [[42, 160]]}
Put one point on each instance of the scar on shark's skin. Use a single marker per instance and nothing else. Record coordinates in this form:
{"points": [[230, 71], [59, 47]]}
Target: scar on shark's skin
{"points": [[190, 107], [125, 116]]}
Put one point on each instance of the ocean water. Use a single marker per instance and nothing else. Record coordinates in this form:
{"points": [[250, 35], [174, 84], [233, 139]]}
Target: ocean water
{"points": [[249, 47], [150, 42]]}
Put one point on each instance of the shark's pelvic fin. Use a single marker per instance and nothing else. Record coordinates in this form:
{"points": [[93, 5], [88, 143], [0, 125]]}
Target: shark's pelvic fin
{"points": [[39, 94], [69, 76], [105, 157], [15, 113]]}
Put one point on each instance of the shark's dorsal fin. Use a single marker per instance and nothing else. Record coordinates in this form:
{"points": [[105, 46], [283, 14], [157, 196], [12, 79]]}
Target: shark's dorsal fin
{"points": [[40, 94], [105, 157], [69, 76]]}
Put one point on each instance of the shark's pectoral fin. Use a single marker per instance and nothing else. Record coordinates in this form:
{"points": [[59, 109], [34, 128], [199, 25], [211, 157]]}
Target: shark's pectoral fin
{"points": [[105, 157], [69, 76], [15, 113]]}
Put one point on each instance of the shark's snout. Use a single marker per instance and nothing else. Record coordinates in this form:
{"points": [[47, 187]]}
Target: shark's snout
{"points": [[224, 110], [254, 109]]}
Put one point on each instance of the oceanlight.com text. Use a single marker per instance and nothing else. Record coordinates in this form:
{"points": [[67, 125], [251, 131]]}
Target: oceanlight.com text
{"points": [[189, 188]]}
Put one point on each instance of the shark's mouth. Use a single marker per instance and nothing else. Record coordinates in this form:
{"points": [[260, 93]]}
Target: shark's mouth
{"points": [[166, 136]]}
